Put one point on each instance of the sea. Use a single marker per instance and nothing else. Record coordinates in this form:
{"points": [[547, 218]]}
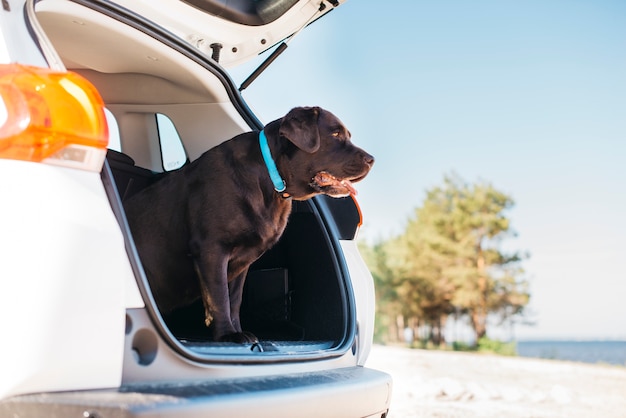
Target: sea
{"points": [[602, 352]]}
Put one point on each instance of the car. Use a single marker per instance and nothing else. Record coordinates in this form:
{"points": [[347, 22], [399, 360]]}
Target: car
{"points": [[97, 100]]}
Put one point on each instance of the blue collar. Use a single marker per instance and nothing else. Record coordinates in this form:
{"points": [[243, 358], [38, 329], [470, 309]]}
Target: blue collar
{"points": [[279, 183]]}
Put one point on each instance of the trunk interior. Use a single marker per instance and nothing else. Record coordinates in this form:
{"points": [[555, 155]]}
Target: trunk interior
{"points": [[296, 299], [293, 299]]}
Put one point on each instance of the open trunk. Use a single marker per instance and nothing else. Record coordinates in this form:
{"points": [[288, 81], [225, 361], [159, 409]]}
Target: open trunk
{"points": [[297, 297]]}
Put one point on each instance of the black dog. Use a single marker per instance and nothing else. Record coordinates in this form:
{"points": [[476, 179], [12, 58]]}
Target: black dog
{"points": [[199, 229]]}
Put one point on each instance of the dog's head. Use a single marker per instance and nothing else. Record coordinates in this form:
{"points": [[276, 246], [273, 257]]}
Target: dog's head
{"points": [[319, 157]]}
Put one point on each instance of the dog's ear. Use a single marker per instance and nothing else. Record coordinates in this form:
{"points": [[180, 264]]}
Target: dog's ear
{"points": [[300, 127]]}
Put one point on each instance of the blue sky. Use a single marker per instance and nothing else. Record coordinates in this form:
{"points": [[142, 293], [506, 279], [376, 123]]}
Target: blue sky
{"points": [[529, 96]]}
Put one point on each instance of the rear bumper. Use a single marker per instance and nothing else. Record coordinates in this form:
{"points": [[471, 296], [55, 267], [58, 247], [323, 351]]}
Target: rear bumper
{"points": [[347, 392]]}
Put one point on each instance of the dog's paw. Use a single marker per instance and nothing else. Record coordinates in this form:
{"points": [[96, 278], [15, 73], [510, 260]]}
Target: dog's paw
{"points": [[240, 338]]}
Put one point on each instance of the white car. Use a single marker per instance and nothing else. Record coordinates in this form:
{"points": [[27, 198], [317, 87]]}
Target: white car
{"points": [[81, 335]]}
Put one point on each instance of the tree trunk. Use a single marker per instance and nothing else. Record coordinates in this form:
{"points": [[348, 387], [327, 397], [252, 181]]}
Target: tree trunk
{"points": [[416, 328], [479, 324], [399, 328], [479, 313], [442, 330]]}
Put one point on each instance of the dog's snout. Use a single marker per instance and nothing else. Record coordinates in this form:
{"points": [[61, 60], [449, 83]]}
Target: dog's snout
{"points": [[368, 159]]}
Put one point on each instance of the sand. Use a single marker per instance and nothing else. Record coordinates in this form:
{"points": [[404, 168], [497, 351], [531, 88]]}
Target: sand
{"points": [[445, 384]]}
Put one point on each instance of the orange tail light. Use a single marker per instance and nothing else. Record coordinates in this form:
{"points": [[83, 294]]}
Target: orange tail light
{"points": [[52, 117]]}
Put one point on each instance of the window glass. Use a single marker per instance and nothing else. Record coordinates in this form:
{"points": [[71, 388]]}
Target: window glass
{"points": [[114, 131], [172, 151]]}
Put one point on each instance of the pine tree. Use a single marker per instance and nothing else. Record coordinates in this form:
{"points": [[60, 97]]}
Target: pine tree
{"points": [[450, 258]]}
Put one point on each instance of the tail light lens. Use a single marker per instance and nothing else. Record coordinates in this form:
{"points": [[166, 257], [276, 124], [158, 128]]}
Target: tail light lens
{"points": [[51, 117]]}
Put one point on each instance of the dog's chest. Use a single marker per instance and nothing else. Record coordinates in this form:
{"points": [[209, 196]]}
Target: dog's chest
{"points": [[252, 242], [271, 229]]}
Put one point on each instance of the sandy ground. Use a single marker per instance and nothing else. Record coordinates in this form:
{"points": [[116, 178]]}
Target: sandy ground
{"points": [[430, 384]]}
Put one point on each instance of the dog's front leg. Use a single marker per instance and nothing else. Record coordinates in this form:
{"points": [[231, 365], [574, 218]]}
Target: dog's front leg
{"points": [[212, 275], [219, 304], [235, 288]]}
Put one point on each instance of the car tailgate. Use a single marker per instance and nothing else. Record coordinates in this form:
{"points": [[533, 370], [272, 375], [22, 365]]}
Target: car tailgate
{"points": [[346, 392]]}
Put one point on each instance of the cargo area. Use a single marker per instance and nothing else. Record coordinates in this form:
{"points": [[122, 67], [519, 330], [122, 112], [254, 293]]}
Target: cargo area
{"points": [[168, 104], [293, 298]]}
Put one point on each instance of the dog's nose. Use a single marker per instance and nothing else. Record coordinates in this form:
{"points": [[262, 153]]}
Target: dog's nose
{"points": [[368, 159]]}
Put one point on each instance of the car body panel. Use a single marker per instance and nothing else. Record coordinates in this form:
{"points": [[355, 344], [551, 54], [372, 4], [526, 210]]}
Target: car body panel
{"points": [[353, 391], [363, 287], [16, 37], [239, 42], [64, 277]]}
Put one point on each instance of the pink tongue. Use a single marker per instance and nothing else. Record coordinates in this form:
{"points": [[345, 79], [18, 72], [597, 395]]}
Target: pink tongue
{"points": [[348, 185], [326, 179]]}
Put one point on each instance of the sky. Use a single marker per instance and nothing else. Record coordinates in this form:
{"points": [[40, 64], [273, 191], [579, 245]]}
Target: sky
{"points": [[528, 96]]}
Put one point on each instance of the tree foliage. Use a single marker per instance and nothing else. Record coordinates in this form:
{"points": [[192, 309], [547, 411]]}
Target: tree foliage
{"points": [[449, 261]]}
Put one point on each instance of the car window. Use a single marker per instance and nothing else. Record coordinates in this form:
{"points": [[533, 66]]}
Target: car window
{"points": [[114, 131], [172, 151]]}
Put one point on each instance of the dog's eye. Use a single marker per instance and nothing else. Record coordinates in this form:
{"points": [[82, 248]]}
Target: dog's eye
{"points": [[336, 134]]}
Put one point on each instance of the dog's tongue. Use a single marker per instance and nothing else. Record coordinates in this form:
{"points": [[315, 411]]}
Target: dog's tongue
{"points": [[326, 179], [348, 185]]}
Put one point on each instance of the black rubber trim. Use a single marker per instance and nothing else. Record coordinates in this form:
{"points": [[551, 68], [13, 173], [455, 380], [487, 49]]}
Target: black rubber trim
{"points": [[244, 12]]}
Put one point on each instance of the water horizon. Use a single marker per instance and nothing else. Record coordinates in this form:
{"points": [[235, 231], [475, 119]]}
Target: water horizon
{"points": [[598, 351]]}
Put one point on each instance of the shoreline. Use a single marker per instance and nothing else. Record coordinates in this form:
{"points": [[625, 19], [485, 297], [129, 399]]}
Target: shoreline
{"points": [[611, 352], [446, 384], [596, 351]]}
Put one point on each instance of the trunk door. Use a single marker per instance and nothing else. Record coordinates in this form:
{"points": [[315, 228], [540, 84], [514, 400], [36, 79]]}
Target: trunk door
{"points": [[232, 31]]}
